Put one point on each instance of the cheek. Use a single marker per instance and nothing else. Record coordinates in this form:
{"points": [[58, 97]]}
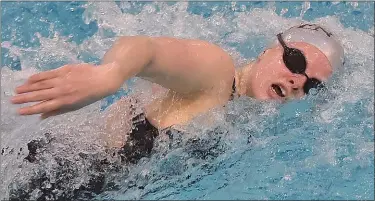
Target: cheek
{"points": [[272, 69], [266, 73], [262, 74], [273, 62]]}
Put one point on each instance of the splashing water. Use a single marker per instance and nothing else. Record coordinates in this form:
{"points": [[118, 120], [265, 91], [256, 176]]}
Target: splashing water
{"points": [[320, 147]]}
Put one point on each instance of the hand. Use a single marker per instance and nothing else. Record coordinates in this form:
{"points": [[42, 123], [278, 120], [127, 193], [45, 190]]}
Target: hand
{"points": [[65, 89]]}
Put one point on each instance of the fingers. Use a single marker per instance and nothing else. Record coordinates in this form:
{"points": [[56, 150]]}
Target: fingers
{"points": [[34, 96], [46, 84], [43, 76], [43, 107]]}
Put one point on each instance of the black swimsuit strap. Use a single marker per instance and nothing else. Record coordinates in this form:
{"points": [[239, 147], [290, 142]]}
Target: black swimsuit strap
{"points": [[233, 89]]}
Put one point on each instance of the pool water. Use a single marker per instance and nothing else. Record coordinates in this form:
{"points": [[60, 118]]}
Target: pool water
{"points": [[321, 147]]}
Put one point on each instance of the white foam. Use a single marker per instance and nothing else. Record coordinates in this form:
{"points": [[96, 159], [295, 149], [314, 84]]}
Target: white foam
{"points": [[80, 129]]}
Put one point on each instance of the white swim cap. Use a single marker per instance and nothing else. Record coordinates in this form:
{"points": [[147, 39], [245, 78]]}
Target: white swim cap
{"points": [[320, 38]]}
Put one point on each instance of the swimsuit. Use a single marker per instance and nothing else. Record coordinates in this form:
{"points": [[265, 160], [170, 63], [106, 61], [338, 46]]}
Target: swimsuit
{"points": [[139, 144], [141, 138]]}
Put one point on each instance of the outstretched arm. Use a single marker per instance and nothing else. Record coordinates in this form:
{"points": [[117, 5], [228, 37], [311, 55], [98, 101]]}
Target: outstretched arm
{"points": [[185, 66]]}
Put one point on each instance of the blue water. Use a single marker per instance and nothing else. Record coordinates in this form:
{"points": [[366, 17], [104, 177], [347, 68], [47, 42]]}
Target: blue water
{"points": [[21, 20], [297, 152]]}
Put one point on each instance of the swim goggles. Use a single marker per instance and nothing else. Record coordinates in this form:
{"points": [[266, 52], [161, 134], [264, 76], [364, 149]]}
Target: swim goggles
{"points": [[295, 61]]}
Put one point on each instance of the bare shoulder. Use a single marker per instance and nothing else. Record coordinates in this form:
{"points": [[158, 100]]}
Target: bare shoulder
{"points": [[210, 58], [213, 52], [218, 65]]}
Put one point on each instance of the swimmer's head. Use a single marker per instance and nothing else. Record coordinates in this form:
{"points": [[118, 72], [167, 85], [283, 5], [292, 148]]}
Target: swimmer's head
{"points": [[301, 58]]}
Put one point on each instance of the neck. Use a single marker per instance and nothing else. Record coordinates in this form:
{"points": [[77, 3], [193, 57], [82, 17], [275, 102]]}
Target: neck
{"points": [[242, 80]]}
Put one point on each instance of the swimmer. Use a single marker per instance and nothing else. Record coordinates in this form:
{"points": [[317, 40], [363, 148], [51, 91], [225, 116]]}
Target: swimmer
{"points": [[199, 75]]}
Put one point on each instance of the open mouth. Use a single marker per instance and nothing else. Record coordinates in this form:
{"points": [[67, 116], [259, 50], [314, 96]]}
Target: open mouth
{"points": [[278, 90]]}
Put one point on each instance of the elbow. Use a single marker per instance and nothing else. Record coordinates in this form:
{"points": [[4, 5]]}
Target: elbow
{"points": [[143, 45], [130, 47], [142, 42], [142, 48]]}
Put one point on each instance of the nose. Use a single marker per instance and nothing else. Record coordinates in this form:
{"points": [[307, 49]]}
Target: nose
{"points": [[296, 82]]}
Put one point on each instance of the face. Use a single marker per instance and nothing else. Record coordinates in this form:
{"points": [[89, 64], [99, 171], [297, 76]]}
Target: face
{"points": [[269, 78]]}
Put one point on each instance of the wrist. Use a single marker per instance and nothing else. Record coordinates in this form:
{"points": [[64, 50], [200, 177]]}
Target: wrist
{"points": [[110, 79]]}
